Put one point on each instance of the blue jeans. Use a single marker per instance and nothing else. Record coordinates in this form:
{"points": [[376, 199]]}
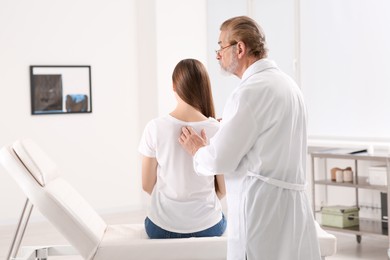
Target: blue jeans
{"points": [[155, 231]]}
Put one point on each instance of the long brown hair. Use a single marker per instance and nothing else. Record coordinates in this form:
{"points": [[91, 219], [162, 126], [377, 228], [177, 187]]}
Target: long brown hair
{"points": [[192, 84]]}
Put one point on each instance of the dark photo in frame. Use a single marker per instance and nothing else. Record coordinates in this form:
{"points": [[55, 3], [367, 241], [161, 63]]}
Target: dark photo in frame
{"points": [[60, 89]]}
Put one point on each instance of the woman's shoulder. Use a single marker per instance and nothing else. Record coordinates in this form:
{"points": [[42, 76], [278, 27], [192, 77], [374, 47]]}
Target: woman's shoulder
{"points": [[156, 123], [211, 125], [168, 121], [209, 122], [159, 120], [212, 122]]}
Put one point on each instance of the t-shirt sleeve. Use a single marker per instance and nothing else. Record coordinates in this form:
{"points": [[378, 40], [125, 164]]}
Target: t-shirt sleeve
{"points": [[147, 145]]}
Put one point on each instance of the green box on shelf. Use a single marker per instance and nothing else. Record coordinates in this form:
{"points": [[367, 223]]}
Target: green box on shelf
{"points": [[340, 216]]}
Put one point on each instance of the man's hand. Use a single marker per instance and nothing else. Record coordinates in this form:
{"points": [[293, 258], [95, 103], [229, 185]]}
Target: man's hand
{"points": [[191, 141]]}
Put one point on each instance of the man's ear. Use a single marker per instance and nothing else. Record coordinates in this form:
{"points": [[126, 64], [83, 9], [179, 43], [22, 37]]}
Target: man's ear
{"points": [[241, 49]]}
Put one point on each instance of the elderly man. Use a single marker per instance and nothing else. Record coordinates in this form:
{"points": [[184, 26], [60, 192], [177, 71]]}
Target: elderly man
{"points": [[261, 149]]}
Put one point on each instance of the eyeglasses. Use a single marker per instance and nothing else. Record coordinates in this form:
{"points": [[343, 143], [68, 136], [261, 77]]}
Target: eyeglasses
{"points": [[218, 52]]}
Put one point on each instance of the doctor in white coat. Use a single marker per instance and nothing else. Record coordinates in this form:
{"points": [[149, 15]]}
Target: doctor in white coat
{"points": [[261, 149]]}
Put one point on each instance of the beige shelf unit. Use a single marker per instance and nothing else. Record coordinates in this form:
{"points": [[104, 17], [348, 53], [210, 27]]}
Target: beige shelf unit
{"points": [[366, 226]]}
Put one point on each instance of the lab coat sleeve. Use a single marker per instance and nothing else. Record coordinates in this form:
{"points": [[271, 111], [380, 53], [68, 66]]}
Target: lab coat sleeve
{"points": [[237, 134]]}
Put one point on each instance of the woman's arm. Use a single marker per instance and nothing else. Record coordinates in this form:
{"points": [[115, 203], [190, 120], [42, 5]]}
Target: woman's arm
{"points": [[220, 189], [149, 173]]}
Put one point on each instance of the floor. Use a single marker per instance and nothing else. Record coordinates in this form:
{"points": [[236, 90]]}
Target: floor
{"points": [[41, 233]]}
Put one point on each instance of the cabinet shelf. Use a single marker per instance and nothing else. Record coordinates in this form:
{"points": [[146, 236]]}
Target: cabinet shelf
{"points": [[361, 184], [333, 153], [366, 226]]}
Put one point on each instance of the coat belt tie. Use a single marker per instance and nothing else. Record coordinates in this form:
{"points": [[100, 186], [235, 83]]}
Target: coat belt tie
{"points": [[279, 183]]}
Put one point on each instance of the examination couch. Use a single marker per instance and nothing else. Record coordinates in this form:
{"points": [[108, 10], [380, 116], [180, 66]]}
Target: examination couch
{"points": [[88, 235]]}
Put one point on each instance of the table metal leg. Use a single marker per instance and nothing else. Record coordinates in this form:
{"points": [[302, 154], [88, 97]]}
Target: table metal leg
{"points": [[20, 230]]}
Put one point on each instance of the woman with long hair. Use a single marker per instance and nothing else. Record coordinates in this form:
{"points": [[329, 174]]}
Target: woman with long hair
{"points": [[183, 204]]}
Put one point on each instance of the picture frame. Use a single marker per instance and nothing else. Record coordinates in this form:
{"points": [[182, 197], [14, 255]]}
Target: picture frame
{"points": [[60, 89]]}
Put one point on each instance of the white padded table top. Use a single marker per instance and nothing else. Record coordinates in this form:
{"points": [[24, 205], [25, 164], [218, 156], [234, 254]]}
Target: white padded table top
{"points": [[131, 241]]}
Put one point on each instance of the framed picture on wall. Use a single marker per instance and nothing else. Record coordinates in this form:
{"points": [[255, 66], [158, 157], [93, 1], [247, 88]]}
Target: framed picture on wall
{"points": [[60, 89]]}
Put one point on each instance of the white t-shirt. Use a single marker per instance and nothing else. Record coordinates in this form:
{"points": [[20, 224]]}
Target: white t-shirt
{"points": [[181, 200]]}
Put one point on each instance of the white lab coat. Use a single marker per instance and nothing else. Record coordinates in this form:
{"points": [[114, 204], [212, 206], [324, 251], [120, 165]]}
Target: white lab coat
{"points": [[261, 149]]}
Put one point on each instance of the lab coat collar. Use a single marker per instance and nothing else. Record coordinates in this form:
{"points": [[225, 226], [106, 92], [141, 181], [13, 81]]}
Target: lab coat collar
{"points": [[257, 67]]}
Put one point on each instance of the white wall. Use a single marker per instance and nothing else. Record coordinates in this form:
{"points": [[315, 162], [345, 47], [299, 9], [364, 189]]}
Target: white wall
{"points": [[217, 12], [96, 152], [346, 64], [132, 47], [278, 21], [181, 34]]}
